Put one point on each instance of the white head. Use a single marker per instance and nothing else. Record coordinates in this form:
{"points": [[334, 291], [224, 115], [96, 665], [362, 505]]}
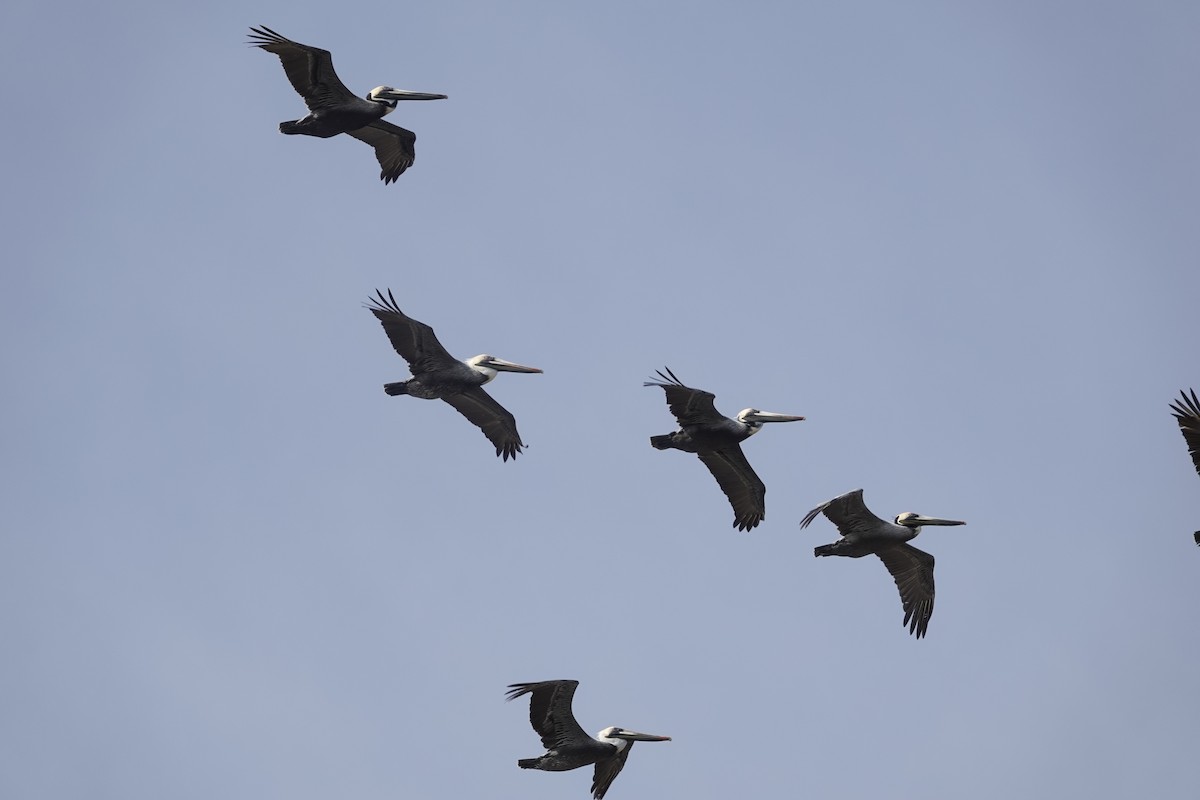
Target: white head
{"points": [[910, 520], [379, 95], [606, 735], [622, 737], [490, 366], [387, 97], [753, 419]]}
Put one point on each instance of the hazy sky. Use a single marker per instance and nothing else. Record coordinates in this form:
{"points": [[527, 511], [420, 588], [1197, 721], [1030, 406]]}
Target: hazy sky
{"points": [[961, 238]]}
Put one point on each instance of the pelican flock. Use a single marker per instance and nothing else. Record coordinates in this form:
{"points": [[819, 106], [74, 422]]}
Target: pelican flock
{"points": [[716, 440], [334, 109]]}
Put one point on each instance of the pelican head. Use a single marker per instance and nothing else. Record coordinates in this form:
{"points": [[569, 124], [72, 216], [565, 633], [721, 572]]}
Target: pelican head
{"points": [[910, 520], [490, 366], [387, 96], [753, 419], [621, 736]]}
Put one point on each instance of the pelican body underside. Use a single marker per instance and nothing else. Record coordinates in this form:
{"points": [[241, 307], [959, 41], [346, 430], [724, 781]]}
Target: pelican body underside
{"points": [[556, 761]]}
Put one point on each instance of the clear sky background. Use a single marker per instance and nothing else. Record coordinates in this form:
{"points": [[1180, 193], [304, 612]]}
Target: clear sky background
{"points": [[961, 238]]}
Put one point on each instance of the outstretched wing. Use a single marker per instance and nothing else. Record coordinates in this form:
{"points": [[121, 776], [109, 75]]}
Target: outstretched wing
{"points": [[912, 569], [394, 147], [413, 340], [737, 479], [849, 513], [493, 419], [550, 711], [1187, 414], [690, 406], [607, 770], [310, 69]]}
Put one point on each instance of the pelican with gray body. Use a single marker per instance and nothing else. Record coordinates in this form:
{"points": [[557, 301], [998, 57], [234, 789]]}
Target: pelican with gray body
{"points": [[863, 534], [334, 109], [567, 746], [1187, 414], [437, 375], [716, 440]]}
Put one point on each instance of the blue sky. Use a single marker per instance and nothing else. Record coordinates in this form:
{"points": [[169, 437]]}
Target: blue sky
{"points": [[959, 238]]}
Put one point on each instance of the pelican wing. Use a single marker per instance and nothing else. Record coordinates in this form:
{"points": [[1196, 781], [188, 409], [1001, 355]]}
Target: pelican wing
{"points": [[849, 513], [489, 416], [310, 69], [550, 712], [414, 341], [912, 569], [1187, 414], [394, 147], [690, 406], [607, 770], [737, 479]]}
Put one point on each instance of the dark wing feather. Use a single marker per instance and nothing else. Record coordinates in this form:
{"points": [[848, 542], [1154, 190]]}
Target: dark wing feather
{"points": [[310, 69], [607, 770], [912, 569], [492, 418], [737, 479], [413, 340], [394, 147], [849, 513], [690, 406], [550, 711], [1187, 414]]}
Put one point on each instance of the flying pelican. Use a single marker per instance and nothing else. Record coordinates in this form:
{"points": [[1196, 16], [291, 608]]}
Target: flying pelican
{"points": [[567, 746], [1187, 414], [437, 375], [864, 533], [334, 109], [715, 439]]}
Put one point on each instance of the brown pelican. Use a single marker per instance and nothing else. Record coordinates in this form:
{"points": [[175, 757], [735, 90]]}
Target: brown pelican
{"points": [[436, 375], [716, 439], [567, 746], [863, 533], [1187, 414], [334, 109]]}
